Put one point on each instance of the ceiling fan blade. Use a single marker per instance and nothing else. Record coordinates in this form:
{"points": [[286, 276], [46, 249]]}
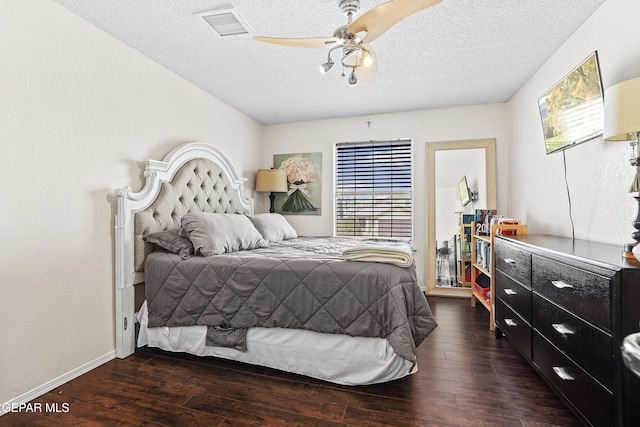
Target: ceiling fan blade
{"points": [[379, 19], [316, 42], [366, 75]]}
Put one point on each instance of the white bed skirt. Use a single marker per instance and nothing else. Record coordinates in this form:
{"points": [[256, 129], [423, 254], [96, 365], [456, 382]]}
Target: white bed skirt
{"points": [[339, 359]]}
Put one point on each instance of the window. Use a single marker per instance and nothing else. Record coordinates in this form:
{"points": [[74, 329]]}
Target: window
{"points": [[373, 189]]}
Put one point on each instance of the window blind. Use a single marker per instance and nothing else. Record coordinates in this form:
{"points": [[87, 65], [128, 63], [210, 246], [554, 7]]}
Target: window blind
{"points": [[374, 189]]}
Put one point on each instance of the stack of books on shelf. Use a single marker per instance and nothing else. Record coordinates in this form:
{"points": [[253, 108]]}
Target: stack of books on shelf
{"points": [[483, 221], [485, 218]]}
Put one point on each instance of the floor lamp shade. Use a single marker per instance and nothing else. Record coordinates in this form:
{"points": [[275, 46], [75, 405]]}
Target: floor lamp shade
{"points": [[272, 181]]}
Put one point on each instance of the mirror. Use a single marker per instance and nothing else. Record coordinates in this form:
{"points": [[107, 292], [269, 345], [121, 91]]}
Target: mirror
{"points": [[447, 164]]}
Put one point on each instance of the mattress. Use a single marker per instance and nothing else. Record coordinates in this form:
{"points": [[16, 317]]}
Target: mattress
{"points": [[340, 359]]}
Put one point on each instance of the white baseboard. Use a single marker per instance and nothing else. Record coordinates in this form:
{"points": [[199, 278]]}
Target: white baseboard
{"points": [[57, 382]]}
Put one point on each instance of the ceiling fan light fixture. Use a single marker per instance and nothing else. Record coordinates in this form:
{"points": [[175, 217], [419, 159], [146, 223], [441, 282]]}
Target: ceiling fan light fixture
{"points": [[326, 66], [366, 59], [353, 78]]}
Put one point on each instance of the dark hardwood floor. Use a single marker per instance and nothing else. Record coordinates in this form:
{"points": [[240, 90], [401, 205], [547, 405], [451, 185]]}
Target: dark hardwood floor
{"points": [[466, 377]]}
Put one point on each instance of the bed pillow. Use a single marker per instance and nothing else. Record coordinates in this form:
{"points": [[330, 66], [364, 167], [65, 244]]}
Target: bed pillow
{"points": [[172, 241], [273, 227], [217, 233]]}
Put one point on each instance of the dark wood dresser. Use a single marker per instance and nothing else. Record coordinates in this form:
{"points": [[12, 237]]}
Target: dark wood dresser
{"points": [[566, 306]]}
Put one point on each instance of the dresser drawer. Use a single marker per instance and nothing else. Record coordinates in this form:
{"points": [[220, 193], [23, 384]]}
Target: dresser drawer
{"points": [[592, 400], [514, 327], [513, 261], [584, 293], [514, 294], [589, 347]]}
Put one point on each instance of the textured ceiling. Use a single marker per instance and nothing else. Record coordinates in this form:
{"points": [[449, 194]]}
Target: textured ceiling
{"points": [[460, 52]]}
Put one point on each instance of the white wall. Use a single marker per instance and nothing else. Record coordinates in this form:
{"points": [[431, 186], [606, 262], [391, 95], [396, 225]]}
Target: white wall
{"points": [[598, 172], [473, 122], [78, 109]]}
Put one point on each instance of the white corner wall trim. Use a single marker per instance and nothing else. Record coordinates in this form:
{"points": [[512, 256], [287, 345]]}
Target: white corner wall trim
{"points": [[56, 382]]}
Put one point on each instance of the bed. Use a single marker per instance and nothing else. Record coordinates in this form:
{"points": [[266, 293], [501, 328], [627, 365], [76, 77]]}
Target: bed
{"points": [[263, 296]]}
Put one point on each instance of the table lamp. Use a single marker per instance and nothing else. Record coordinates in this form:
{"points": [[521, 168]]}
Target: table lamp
{"points": [[272, 181]]}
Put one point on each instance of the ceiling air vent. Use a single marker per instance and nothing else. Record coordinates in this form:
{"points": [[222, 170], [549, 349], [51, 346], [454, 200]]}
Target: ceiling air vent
{"points": [[226, 22]]}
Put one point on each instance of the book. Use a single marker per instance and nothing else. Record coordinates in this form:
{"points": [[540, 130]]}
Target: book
{"points": [[502, 220], [483, 221], [483, 281]]}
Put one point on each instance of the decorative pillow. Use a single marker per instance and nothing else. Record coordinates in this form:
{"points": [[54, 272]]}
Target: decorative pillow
{"points": [[217, 233], [172, 241], [273, 227]]}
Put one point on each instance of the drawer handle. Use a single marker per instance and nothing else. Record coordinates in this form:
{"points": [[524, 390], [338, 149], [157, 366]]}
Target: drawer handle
{"points": [[510, 322], [562, 329], [560, 284], [562, 373], [510, 261], [510, 291]]}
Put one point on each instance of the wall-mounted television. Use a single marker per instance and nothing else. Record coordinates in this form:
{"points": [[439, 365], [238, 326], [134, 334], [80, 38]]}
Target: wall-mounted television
{"points": [[465, 192], [572, 111]]}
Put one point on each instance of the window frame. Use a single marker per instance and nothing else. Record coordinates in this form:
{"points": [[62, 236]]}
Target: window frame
{"points": [[410, 193]]}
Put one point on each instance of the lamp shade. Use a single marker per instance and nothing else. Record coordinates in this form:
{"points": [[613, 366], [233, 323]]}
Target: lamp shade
{"points": [[274, 180], [622, 111]]}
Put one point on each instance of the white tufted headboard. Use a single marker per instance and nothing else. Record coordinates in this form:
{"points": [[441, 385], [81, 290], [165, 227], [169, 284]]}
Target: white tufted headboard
{"points": [[200, 185], [195, 177]]}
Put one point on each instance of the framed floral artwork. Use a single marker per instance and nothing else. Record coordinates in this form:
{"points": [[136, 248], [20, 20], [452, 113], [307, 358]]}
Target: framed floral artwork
{"points": [[304, 179]]}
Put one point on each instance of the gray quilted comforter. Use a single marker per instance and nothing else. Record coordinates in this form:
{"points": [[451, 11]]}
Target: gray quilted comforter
{"points": [[302, 283]]}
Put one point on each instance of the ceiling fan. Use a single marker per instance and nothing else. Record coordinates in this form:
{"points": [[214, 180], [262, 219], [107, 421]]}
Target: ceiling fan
{"points": [[357, 54]]}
